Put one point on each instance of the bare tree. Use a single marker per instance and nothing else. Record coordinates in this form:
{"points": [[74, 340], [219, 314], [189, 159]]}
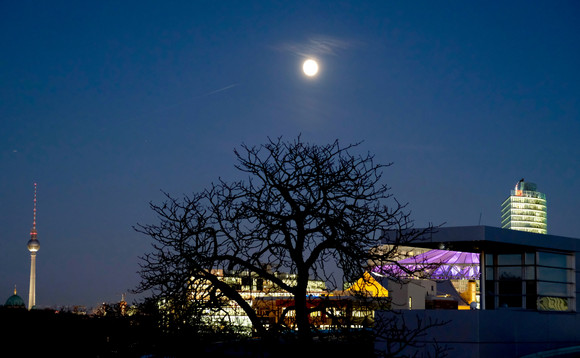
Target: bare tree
{"points": [[315, 211]]}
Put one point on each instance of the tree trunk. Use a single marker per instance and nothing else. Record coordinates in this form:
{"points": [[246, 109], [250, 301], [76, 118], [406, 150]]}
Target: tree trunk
{"points": [[300, 302]]}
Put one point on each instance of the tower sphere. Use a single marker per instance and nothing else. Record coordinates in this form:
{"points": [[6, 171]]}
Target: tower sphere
{"points": [[33, 245]]}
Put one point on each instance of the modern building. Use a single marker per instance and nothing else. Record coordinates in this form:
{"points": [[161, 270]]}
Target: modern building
{"points": [[527, 290], [33, 247], [525, 209]]}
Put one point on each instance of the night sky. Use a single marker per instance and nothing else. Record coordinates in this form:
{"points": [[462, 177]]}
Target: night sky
{"points": [[107, 104]]}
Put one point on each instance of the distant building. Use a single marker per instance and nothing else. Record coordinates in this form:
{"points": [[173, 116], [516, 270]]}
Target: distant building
{"points": [[525, 209], [15, 301], [449, 278], [255, 290]]}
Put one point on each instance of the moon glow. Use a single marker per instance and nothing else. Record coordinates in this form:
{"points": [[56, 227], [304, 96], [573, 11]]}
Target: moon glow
{"points": [[310, 68]]}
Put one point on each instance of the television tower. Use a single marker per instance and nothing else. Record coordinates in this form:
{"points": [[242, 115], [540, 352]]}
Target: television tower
{"points": [[33, 247]]}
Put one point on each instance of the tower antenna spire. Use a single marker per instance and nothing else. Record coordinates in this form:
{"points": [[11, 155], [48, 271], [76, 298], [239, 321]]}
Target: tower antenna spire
{"points": [[34, 211]]}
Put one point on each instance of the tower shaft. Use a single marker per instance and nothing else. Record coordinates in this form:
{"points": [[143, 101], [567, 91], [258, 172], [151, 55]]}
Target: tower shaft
{"points": [[32, 289]]}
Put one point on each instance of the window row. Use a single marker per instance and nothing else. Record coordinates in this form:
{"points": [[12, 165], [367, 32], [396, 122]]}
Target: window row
{"points": [[530, 302], [541, 258], [539, 273], [541, 288]]}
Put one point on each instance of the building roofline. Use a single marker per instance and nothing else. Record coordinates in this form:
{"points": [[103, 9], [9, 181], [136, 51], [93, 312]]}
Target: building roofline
{"points": [[482, 238]]}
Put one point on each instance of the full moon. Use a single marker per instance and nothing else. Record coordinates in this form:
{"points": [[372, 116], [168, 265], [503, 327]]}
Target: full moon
{"points": [[310, 68]]}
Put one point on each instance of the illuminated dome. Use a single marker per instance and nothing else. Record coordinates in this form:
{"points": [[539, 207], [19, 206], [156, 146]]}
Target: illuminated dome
{"points": [[33, 245], [437, 265], [15, 301]]}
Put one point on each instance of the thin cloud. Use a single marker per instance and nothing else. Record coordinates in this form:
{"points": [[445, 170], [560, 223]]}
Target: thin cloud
{"points": [[318, 46], [220, 90]]}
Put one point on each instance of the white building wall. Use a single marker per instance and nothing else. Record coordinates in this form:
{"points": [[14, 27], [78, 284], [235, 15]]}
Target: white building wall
{"points": [[499, 333], [410, 294]]}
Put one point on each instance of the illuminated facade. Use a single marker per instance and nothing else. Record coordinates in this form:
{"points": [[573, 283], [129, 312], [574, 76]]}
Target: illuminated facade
{"points": [[525, 209], [455, 274], [255, 290]]}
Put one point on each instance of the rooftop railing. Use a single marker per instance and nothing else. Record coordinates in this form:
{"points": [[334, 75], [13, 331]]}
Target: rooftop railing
{"points": [[529, 194]]}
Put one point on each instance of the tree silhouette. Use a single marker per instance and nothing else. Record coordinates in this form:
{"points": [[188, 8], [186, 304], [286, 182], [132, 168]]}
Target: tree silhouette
{"points": [[314, 211]]}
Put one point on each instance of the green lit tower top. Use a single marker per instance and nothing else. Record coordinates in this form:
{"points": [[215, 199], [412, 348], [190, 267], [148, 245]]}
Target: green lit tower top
{"points": [[525, 209]]}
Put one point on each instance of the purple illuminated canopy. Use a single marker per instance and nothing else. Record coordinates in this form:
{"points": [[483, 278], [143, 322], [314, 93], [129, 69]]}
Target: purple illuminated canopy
{"points": [[435, 264]]}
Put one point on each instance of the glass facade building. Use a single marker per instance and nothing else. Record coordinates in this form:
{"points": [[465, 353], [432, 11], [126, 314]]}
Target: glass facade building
{"points": [[527, 292], [511, 268], [533, 279], [525, 209]]}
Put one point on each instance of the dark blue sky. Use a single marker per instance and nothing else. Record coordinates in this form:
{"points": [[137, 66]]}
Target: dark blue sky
{"points": [[104, 104]]}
